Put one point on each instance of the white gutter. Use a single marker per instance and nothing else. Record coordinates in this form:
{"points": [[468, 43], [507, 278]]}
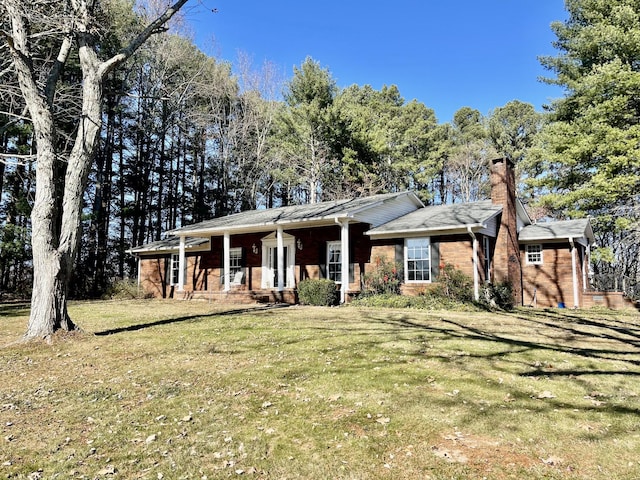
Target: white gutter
{"points": [[476, 278], [574, 273], [450, 229], [150, 251], [205, 232]]}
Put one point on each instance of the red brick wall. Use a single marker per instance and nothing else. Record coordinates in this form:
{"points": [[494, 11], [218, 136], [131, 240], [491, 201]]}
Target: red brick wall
{"points": [[614, 300], [381, 249], [456, 250], [552, 281], [155, 273], [506, 260]]}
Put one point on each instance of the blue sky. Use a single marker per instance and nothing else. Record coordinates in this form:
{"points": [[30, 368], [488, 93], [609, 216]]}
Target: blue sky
{"points": [[446, 54]]}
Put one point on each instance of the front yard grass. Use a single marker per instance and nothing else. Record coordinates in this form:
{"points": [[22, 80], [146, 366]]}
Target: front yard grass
{"points": [[155, 390]]}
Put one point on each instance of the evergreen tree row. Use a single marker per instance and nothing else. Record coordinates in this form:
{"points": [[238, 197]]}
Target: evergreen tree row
{"points": [[187, 137]]}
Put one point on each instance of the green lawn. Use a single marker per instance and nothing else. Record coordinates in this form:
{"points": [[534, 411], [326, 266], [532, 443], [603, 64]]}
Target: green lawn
{"points": [[173, 390]]}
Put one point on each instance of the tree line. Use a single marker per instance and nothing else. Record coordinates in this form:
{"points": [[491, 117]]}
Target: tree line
{"points": [[186, 137]]}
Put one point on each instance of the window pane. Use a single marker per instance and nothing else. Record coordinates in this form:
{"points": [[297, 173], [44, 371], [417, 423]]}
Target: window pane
{"points": [[534, 254], [334, 262], [235, 262], [418, 259], [175, 269]]}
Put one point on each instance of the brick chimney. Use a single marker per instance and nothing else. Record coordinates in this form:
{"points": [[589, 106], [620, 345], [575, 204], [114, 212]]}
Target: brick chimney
{"points": [[506, 258]]}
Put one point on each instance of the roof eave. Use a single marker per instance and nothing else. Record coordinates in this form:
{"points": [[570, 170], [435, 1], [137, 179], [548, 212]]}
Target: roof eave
{"points": [[457, 229], [150, 251], [561, 238], [257, 227]]}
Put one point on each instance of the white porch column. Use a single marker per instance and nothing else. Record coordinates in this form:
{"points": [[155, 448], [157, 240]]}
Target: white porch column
{"points": [[281, 263], [226, 262], [574, 273], [181, 264], [344, 251]]}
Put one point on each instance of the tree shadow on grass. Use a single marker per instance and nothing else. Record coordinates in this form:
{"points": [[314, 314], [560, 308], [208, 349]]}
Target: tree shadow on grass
{"points": [[169, 321], [512, 357], [613, 335], [14, 309]]}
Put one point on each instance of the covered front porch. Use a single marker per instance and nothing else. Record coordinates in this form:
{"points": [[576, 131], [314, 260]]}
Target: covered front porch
{"points": [[271, 250], [266, 265]]}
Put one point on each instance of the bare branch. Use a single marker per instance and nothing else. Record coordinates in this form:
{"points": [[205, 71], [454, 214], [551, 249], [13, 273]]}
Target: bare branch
{"points": [[16, 119], [56, 70], [5, 157], [155, 27]]}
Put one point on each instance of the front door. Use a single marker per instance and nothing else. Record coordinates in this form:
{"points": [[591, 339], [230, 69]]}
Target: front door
{"points": [[270, 262], [273, 264]]}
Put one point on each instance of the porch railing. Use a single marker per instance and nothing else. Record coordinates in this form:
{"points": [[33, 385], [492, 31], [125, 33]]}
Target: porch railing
{"points": [[616, 283]]}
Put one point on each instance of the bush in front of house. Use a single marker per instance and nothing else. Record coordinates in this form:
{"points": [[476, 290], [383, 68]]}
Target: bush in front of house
{"points": [[453, 284], [453, 290], [318, 292], [385, 278], [498, 295], [425, 301], [125, 289]]}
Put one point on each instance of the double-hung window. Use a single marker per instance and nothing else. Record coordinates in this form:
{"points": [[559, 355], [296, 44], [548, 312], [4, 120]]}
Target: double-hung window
{"points": [[235, 261], [175, 269], [486, 247], [334, 261], [417, 259], [235, 264], [534, 254]]}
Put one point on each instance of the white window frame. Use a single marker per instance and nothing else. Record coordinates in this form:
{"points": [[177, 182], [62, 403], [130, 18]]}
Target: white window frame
{"points": [[336, 274], [486, 248], [174, 269], [534, 253], [235, 262], [427, 258]]}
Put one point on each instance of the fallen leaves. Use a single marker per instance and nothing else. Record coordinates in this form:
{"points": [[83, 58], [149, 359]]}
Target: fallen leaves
{"points": [[545, 395], [108, 470], [552, 461], [450, 455], [485, 454]]}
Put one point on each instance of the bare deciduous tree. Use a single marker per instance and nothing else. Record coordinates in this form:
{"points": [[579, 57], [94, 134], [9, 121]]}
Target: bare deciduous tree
{"points": [[73, 28]]}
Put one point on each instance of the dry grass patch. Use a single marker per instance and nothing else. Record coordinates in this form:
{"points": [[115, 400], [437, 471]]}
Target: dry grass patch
{"points": [[189, 390]]}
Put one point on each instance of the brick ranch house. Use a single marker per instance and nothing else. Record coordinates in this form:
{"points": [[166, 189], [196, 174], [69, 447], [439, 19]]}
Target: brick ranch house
{"points": [[260, 255]]}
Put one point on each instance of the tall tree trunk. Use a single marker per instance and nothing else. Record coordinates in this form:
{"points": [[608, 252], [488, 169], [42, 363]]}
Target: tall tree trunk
{"points": [[56, 227], [121, 192], [52, 266]]}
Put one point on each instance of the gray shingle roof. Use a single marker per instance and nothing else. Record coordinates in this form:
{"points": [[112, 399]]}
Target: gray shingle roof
{"points": [[291, 214], [169, 244], [562, 229], [440, 218]]}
